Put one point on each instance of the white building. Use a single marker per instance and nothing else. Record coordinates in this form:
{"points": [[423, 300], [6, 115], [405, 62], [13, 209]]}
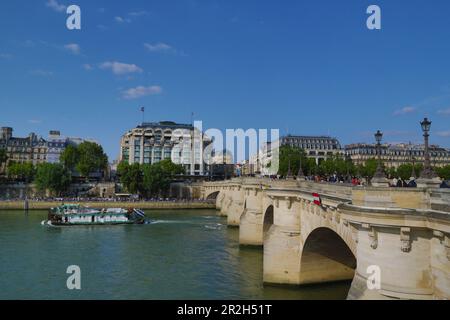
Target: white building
{"points": [[150, 143]]}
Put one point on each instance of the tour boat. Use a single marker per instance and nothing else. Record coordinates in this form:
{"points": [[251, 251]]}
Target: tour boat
{"points": [[75, 214]]}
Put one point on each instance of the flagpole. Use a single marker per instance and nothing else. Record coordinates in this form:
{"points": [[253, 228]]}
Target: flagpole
{"points": [[143, 115]]}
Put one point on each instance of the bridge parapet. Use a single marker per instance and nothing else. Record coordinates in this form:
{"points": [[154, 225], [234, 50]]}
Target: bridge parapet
{"points": [[440, 199], [406, 198]]}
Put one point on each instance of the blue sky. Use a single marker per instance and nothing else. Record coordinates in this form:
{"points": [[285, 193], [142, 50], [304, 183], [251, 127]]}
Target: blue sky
{"points": [[305, 67]]}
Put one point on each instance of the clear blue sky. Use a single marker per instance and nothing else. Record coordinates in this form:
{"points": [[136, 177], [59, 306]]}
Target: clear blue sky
{"points": [[307, 67]]}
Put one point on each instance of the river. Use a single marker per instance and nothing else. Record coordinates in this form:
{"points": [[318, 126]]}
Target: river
{"points": [[187, 254]]}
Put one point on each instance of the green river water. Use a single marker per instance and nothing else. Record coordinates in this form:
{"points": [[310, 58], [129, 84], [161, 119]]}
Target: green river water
{"points": [[188, 254]]}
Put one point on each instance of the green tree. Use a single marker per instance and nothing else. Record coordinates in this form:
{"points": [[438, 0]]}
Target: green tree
{"points": [[327, 167], [444, 172], [369, 168], [70, 157], [310, 167], [131, 177], [157, 177], [53, 177], [293, 155], [23, 172], [171, 168], [91, 158], [404, 171]]}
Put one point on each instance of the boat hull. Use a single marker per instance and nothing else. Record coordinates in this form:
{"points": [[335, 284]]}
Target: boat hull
{"points": [[64, 224], [75, 215]]}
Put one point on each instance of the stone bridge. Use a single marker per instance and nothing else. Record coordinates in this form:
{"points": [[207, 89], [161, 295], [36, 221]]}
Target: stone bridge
{"points": [[400, 236]]}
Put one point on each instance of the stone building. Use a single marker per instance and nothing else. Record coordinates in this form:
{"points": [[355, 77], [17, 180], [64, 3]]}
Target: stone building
{"points": [[56, 145], [150, 143], [35, 149], [27, 149], [394, 155], [317, 147]]}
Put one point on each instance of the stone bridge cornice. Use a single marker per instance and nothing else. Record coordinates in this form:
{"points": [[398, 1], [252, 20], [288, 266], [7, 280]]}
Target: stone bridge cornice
{"points": [[396, 217]]}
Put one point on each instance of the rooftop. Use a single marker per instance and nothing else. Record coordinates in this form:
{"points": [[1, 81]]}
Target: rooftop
{"points": [[165, 124]]}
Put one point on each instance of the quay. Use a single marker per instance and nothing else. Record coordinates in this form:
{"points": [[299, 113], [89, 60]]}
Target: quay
{"points": [[145, 205]]}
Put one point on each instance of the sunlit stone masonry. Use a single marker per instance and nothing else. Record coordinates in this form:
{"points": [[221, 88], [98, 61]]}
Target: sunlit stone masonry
{"points": [[392, 243]]}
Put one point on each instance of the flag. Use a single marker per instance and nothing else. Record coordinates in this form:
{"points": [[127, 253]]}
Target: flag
{"points": [[142, 109], [317, 199]]}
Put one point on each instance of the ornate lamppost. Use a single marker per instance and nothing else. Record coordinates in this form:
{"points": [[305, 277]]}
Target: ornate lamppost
{"points": [[289, 172], [224, 165], [413, 161], [348, 161], [300, 175], [379, 179], [428, 177]]}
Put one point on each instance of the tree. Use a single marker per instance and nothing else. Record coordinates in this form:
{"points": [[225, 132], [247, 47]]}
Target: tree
{"points": [[157, 177], [444, 172], [171, 168], [310, 167], [131, 177], [53, 177], [368, 169], [91, 158], [293, 155], [23, 172], [70, 157], [404, 171], [148, 180]]}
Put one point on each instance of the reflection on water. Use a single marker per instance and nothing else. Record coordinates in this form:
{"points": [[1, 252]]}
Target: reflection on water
{"points": [[180, 255]]}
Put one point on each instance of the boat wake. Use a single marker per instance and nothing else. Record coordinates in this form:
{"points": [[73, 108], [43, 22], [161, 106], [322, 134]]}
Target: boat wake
{"points": [[217, 226], [171, 222], [47, 223]]}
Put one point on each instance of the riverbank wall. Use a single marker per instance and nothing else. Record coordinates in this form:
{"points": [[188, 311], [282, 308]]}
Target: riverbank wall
{"points": [[156, 205]]}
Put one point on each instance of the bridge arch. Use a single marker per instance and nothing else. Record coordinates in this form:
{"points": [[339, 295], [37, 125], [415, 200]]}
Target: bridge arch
{"points": [[213, 195], [326, 257], [268, 219]]}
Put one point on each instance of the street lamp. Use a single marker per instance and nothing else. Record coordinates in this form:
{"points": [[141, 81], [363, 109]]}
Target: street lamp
{"points": [[427, 172], [413, 161], [289, 172], [428, 177], [300, 175], [379, 173], [348, 161], [379, 179]]}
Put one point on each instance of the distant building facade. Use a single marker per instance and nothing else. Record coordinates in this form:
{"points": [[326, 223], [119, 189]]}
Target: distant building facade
{"points": [[394, 155], [151, 143], [31, 149], [56, 145], [34, 149], [316, 147], [319, 148]]}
